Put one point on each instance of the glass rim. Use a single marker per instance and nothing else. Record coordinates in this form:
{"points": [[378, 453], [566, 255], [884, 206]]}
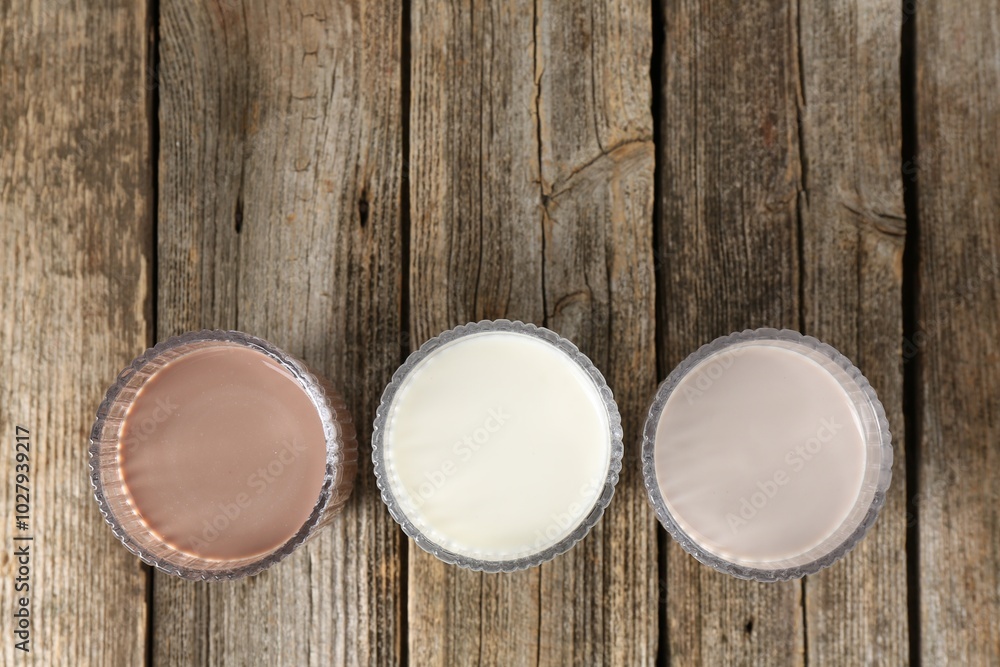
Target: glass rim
{"points": [[615, 452], [338, 477], [680, 535]]}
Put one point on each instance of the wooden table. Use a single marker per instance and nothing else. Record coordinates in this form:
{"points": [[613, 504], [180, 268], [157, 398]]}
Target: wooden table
{"points": [[349, 179]]}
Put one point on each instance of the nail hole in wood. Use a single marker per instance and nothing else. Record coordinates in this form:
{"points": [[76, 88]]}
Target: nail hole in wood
{"points": [[363, 209], [238, 215]]}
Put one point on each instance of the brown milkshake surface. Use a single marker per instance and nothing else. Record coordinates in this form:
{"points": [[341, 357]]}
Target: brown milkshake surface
{"points": [[222, 453]]}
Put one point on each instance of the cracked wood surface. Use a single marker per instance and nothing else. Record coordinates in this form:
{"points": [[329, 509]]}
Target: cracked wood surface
{"points": [[731, 177], [853, 228], [531, 181], [782, 206], [76, 256], [956, 175], [280, 176], [349, 178]]}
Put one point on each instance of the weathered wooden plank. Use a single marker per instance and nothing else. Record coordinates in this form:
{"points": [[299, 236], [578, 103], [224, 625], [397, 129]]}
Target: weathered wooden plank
{"points": [[475, 252], [730, 176], [600, 601], [280, 179], [75, 260], [853, 227], [531, 184], [957, 177]]}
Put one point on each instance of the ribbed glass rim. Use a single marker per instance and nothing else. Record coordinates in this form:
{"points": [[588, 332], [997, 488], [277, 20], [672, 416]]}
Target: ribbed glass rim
{"points": [[871, 402], [616, 450], [341, 455]]}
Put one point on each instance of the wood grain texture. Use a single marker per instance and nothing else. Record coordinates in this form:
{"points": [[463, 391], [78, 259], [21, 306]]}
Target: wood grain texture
{"points": [[279, 214], [853, 228], [475, 252], [731, 175], [599, 602], [531, 185], [957, 177], [782, 150], [281, 176], [75, 261]]}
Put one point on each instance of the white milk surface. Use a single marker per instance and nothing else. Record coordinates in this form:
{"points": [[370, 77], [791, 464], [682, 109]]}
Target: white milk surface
{"points": [[497, 445], [760, 454]]}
